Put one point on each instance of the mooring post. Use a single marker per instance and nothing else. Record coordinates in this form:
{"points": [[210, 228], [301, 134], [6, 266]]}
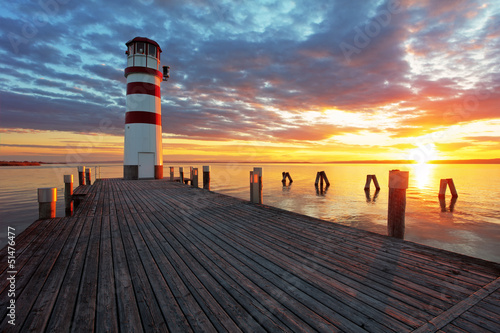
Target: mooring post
{"points": [[181, 175], [318, 176], [375, 182], [452, 187], [68, 194], [88, 176], [171, 173], [285, 176], [81, 175], [443, 183], [47, 197], [326, 178], [256, 185], [206, 177], [194, 178], [398, 183], [369, 179]]}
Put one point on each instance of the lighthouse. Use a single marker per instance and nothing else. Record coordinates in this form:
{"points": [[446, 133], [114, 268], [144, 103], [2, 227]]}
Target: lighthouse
{"points": [[143, 154]]}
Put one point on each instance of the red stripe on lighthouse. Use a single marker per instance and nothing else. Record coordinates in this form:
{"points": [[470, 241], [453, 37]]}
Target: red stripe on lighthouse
{"points": [[143, 70], [143, 88], [142, 117]]}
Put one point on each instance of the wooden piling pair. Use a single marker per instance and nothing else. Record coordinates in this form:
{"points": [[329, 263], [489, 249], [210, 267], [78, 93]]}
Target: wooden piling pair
{"points": [[286, 175], [445, 183], [84, 176], [320, 177], [369, 179]]}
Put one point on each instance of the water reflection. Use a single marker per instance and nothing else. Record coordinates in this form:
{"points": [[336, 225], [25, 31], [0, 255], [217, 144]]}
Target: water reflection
{"points": [[368, 195], [442, 203], [322, 191], [422, 175]]}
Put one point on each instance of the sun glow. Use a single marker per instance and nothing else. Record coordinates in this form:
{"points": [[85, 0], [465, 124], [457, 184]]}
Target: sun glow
{"points": [[424, 153]]}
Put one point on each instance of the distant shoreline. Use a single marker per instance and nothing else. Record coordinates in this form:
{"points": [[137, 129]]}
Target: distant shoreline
{"points": [[24, 163], [165, 163]]}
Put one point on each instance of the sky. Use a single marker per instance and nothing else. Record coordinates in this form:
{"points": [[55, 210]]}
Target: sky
{"points": [[264, 80]]}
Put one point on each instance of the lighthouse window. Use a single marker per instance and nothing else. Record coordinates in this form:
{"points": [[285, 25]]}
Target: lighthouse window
{"points": [[140, 48], [130, 49], [152, 50]]}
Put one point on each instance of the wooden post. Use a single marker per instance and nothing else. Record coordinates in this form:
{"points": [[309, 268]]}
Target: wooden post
{"points": [[81, 175], [88, 176], [326, 178], [206, 177], [171, 173], [68, 194], [398, 183], [47, 197], [452, 187], [318, 176], [285, 176], [368, 181], [194, 178], [256, 185], [442, 188], [181, 175], [375, 182]]}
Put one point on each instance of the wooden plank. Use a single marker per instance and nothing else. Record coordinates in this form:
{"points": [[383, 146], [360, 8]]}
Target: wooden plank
{"points": [[172, 312], [459, 308], [30, 279], [191, 309], [153, 255], [362, 314], [62, 314], [39, 314], [106, 311], [128, 312]]}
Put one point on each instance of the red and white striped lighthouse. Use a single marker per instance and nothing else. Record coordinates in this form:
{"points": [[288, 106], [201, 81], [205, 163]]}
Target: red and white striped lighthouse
{"points": [[143, 154]]}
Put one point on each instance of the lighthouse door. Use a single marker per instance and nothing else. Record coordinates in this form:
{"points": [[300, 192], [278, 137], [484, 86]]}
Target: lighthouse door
{"points": [[146, 165]]}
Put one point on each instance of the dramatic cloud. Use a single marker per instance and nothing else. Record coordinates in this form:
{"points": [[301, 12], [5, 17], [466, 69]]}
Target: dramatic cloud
{"points": [[289, 72]]}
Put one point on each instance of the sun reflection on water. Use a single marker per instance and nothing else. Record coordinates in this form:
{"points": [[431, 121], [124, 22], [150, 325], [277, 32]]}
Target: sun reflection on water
{"points": [[422, 175]]}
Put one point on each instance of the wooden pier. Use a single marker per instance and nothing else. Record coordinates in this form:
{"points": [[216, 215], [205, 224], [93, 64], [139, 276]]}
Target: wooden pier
{"points": [[158, 256]]}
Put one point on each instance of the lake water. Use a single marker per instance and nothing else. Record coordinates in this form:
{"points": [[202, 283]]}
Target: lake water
{"points": [[472, 228]]}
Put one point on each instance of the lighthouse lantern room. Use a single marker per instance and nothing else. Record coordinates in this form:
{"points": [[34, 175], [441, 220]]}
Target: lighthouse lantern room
{"points": [[143, 155]]}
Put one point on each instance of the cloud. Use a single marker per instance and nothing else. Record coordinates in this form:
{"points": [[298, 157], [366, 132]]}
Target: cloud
{"points": [[237, 67]]}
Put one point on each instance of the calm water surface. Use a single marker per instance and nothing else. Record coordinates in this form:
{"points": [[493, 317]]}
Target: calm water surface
{"points": [[472, 228]]}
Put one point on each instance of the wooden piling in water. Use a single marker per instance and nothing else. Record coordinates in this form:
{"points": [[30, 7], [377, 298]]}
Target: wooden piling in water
{"points": [[452, 187], [194, 177], [256, 185], [68, 194], [369, 179], [206, 177], [88, 176], [181, 174], [171, 169], [47, 198], [286, 175], [81, 175], [398, 183], [320, 177], [447, 183]]}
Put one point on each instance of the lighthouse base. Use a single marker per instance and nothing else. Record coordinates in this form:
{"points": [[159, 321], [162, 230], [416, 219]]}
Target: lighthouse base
{"points": [[131, 172]]}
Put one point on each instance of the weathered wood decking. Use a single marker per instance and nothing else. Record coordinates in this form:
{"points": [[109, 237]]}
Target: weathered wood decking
{"points": [[159, 256]]}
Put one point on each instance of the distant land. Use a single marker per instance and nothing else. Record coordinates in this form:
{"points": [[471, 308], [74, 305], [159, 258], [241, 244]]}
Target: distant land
{"points": [[25, 163], [470, 161]]}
